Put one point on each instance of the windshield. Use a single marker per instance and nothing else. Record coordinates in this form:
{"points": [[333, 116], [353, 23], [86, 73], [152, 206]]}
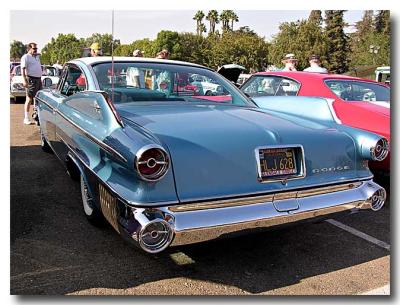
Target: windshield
{"points": [[270, 85], [359, 91], [138, 82]]}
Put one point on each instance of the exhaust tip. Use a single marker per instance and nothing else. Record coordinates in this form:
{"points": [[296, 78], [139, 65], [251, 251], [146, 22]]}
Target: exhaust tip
{"points": [[155, 236], [378, 199]]}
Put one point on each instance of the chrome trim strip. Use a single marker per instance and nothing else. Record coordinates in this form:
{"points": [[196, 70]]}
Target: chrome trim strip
{"points": [[265, 192], [302, 170], [100, 143], [333, 112], [44, 102], [262, 199]]}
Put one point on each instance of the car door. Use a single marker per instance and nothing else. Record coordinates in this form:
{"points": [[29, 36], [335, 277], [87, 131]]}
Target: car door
{"points": [[68, 87]]}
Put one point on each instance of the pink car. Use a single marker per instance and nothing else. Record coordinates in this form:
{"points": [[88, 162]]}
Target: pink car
{"points": [[358, 102]]}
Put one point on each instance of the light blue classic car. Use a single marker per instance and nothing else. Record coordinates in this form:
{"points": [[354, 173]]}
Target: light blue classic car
{"points": [[166, 165]]}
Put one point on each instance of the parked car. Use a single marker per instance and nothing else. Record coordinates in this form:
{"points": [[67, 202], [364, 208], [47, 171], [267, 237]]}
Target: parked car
{"points": [[166, 168], [13, 64], [242, 78], [357, 102], [382, 75], [17, 89]]}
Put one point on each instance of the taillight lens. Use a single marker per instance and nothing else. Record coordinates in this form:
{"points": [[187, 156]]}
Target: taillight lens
{"points": [[152, 163], [380, 151]]}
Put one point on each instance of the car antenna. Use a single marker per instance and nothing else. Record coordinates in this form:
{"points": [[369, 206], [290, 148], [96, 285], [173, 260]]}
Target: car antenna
{"points": [[112, 56]]}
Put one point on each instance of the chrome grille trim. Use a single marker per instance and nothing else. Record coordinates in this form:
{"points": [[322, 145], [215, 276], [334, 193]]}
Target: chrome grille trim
{"points": [[215, 204]]}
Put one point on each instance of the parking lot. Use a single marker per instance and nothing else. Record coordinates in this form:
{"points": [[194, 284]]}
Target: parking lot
{"points": [[54, 250]]}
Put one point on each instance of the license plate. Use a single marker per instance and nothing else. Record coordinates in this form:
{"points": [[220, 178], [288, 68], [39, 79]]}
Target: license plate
{"points": [[277, 162]]}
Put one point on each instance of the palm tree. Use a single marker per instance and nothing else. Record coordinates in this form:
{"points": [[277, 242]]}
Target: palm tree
{"points": [[212, 16], [233, 17], [199, 25], [225, 18]]}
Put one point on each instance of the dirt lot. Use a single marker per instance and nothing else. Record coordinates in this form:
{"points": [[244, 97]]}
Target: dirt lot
{"points": [[54, 250]]}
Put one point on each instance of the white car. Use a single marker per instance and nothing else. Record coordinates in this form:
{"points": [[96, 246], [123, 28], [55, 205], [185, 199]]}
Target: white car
{"points": [[17, 88], [206, 86]]}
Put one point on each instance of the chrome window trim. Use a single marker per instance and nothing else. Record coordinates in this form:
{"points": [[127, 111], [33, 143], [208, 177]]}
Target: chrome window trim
{"points": [[302, 172], [330, 102]]}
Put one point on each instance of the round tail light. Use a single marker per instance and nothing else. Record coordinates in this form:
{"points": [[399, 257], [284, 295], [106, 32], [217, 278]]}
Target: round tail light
{"points": [[152, 163], [380, 151]]}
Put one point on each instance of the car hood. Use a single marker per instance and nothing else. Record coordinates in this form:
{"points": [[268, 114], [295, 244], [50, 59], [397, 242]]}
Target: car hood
{"points": [[212, 147]]}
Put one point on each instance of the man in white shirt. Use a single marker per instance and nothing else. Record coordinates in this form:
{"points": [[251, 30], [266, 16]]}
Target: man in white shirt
{"points": [[31, 71], [315, 63], [135, 76]]}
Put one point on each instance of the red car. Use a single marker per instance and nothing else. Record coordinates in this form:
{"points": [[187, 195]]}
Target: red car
{"points": [[358, 102]]}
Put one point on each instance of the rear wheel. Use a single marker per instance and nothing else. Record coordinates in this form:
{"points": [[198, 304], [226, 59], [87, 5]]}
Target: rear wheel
{"points": [[93, 214]]}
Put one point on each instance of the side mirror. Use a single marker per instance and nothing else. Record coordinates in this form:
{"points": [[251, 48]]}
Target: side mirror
{"points": [[47, 82]]}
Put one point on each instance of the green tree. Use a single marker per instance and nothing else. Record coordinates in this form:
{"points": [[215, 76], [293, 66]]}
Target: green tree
{"points": [[105, 41], [315, 17], [246, 49], [167, 40], [17, 49], [337, 42], [382, 22], [200, 27], [213, 18], [62, 48]]}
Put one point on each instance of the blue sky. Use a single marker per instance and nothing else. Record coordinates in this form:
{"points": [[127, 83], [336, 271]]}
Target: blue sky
{"points": [[131, 25]]}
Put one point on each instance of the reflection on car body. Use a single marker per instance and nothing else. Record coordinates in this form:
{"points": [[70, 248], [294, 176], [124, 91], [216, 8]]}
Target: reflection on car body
{"points": [[168, 166]]}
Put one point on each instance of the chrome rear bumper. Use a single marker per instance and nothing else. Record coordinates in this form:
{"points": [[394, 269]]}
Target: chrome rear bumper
{"points": [[154, 229]]}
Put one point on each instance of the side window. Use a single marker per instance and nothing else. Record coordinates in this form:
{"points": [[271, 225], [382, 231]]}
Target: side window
{"points": [[287, 87], [73, 81], [269, 85]]}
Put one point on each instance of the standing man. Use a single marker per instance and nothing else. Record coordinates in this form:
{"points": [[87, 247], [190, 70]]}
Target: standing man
{"points": [[315, 63], [31, 71]]}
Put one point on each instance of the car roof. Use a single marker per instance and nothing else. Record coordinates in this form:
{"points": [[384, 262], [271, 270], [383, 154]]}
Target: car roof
{"points": [[303, 76], [103, 59]]}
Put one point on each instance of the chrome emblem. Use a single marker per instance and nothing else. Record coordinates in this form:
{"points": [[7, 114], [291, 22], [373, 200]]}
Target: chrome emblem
{"points": [[330, 169]]}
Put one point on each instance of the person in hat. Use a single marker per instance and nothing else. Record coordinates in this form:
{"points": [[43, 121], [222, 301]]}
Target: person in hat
{"points": [[315, 65], [290, 62], [95, 49], [163, 54], [137, 53]]}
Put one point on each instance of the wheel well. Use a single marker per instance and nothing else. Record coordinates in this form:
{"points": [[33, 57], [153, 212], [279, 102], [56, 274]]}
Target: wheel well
{"points": [[72, 168]]}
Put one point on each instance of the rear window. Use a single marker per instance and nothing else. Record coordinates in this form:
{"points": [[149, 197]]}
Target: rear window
{"points": [[359, 91]]}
